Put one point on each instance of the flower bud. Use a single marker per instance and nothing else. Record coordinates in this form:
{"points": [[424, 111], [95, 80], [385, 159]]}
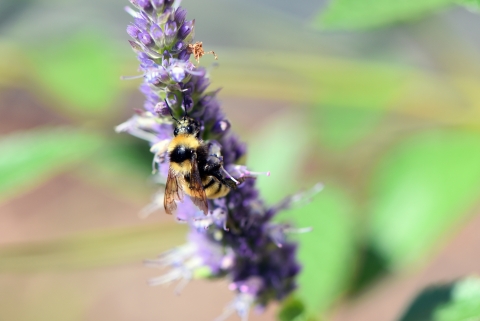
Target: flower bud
{"points": [[221, 126], [133, 31], [156, 33], [185, 29]]}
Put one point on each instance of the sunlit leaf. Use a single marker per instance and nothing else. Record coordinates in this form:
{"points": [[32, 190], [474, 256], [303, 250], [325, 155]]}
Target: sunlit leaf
{"points": [[29, 158], [352, 14], [327, 254], [420, 190], [465, 302], [93, 249], [457, 301]]}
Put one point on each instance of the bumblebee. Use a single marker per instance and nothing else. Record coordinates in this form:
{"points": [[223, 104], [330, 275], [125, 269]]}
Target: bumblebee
{"points": [[196, 168]]}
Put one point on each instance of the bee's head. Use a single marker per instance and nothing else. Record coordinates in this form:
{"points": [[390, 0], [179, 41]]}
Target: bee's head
{"points": [[187, 126]]}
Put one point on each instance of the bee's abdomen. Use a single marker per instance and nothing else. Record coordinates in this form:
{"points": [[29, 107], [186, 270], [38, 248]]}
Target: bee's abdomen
{"points": [[215, 189], [180, 154]]}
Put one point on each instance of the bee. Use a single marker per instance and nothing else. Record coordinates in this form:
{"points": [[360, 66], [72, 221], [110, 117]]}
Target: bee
{"points": [[196, 168]]}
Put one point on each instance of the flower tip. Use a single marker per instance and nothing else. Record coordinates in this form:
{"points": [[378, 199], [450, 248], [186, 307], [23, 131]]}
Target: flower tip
{"points": [[122, 127], [150, 263], [318, 187], [130, 11]]}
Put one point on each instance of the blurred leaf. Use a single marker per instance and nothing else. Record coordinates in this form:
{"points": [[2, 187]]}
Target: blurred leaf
{"points": [[312, 78], [29, 158], [421, 189], [10, 9], [124, 167], [94, 249], [353, 14], [81, 72], [423, 306], [340, 83], [341, 127], [327, 254], [285, 149], [457, 301], [292, 308], [465, 303], [13, 65], [474, 3]]}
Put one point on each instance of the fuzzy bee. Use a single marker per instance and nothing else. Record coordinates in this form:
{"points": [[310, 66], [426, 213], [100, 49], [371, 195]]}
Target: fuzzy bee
{"points": [[196, 169]]}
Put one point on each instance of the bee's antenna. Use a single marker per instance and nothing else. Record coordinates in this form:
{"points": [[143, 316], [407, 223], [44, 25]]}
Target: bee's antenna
{"points": [[184, 106], [170, 110]]}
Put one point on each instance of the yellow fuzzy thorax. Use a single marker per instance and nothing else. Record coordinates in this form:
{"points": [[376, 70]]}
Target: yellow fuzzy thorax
{"points": [[189, 141]]}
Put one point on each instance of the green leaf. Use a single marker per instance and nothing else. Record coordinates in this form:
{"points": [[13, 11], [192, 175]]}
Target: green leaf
{"points": [[292, 308], [353, 14], [93, 249], [423, 306], [340, 128], [327, 254], [29, 158], [124, 167], [457, 301], [422, 188], [81, 72], [465, 303], [470, 3], [279, 159]]}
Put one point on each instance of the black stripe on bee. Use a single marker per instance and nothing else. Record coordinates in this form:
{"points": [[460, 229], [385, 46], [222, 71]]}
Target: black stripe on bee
{"points": [[210, 183], [218, 189]]}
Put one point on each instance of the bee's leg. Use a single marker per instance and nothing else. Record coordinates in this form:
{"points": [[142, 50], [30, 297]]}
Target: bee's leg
{"points": [[225, 181]]}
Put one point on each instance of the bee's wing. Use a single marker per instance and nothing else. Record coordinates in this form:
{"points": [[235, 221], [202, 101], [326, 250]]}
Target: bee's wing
{"points": [[173, 192], [198, 195]]}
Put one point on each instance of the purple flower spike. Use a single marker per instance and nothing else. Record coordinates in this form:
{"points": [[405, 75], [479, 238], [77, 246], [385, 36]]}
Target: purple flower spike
{"points": [[162, 109], [135, 46], [171, 29], [177, 73], [144, 4], [237, 239], [187, 103], [184, 55], [133, 31], [141, 24], [157, 3], [156, 33], [169, 3], [179, 46], [185, 29], [145, 39], [221, 126], [180, 15]]}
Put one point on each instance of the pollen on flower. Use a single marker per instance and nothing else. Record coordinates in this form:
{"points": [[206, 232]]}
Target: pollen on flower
{"points": [[197, 50]]}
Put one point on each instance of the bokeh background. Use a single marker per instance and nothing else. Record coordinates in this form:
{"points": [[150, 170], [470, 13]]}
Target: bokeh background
{"points": [[387, 116]]}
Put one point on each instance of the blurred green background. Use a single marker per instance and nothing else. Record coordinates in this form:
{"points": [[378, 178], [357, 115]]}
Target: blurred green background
{"points": [[378, 101]]}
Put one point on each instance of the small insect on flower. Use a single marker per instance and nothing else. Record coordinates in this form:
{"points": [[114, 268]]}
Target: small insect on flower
{"points": [[197, 50], [196, 168]]}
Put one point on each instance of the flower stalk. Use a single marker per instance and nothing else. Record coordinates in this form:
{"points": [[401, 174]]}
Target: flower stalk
{"points": [[237, 239]]}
